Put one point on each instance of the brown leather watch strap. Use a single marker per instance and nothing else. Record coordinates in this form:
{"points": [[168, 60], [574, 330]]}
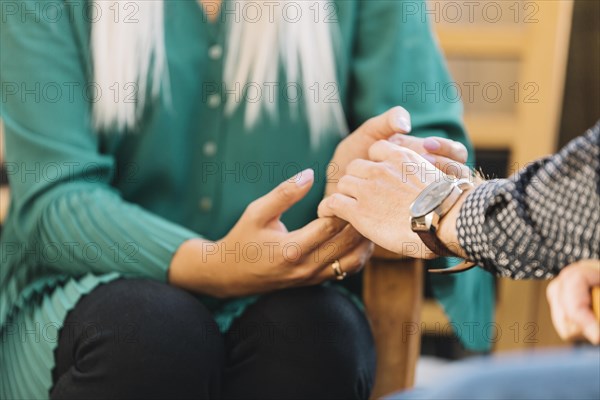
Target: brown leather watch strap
{"points": [[460, 267], [434, 244]]}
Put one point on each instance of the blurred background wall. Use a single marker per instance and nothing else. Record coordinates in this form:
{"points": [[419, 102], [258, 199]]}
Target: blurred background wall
{"points": [[581, 105]]}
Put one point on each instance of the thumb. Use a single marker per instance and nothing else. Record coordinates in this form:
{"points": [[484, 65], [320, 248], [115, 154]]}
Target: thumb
{"points": [[285, 195], [383, 126]]}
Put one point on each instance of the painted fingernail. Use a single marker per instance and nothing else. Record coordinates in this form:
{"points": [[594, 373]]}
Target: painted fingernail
{"points": [[404, 123], [431, 144], [304, 177]]}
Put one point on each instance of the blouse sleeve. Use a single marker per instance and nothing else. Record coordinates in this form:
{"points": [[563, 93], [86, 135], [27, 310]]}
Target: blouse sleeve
{"points": [[397, 61], [541, 220], [64, 212]]}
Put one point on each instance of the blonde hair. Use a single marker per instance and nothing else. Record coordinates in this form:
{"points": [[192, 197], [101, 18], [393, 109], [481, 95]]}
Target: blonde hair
{"points": [[124, 52]]}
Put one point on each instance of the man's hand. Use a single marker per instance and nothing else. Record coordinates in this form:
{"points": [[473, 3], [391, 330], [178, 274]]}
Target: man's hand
{"points": [[570, 300], [385, 200], [375, 195]]}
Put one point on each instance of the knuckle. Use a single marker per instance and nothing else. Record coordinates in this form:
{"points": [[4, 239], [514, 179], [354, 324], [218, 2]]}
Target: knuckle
{"points": [[353, 165], [252, 208], [330, 227], [333, 203], [284, 192], [376, 147], [280, 258], [344, 181], [336, 203], [376, 170]]}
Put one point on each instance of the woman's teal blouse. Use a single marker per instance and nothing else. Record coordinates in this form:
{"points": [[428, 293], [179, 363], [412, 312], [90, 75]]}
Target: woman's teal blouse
{"points": [[88, 207]]}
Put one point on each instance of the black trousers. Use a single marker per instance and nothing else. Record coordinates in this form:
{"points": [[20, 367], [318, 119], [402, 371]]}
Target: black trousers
{"points": [[143, 339]]}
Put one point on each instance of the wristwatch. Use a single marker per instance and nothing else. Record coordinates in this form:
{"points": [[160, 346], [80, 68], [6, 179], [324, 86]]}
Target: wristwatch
{"points": [[432, 204]]}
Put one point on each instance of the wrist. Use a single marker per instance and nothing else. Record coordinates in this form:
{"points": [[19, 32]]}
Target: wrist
{"points": [[194, 267], [447, 231]]}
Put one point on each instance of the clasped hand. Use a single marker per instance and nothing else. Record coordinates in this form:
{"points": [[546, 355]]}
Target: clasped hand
{"points": [[375, 192], [268, 257]]}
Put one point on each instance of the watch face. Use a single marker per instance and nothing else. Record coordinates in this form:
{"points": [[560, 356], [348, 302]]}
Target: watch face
{"points": [[430, 198]]}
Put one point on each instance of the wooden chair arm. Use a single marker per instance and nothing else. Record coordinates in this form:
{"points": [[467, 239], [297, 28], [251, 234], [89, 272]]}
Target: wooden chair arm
{"points": [[393, 295], [596, 301], [4, 202], [383, 254]]}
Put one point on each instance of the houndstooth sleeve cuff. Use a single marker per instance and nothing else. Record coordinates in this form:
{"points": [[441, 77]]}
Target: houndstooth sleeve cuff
{"points": [[542, 219], [480, 243]]}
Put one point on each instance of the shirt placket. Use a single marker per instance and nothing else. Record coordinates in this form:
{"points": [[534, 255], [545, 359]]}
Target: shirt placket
{"points": [[212, 121]]}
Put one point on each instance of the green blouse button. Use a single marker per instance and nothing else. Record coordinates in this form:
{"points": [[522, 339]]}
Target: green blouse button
{"points": [[206, 204], [214, 100], [215, 52], [209, 149]]}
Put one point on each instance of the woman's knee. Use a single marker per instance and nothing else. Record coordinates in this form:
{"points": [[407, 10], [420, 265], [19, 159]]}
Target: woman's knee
{"points": [[317, 334], [143, 333], [142, 312], [315, 314]]}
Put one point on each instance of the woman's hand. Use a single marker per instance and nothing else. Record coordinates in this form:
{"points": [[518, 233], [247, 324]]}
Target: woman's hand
{"points": [[374, 196], [570, 300], [259, 254]]}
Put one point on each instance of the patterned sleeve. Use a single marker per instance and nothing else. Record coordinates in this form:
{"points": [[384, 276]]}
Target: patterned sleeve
{"points": [[542, 219]]}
